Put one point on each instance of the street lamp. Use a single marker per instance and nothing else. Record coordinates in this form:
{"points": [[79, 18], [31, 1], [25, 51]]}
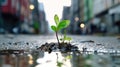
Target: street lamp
{"points": [[82, 25], [76, 19], [31, 7]]}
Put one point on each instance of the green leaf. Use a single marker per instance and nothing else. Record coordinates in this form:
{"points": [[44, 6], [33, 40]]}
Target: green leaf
{"points": [[56, 18], [65, 36], [68, 38], [54, 28], [63, 24], [69, 57], [59, 64], [67, 22]]}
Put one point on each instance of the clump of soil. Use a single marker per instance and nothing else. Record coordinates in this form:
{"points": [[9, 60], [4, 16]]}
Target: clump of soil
{"points": [[63, 47]]}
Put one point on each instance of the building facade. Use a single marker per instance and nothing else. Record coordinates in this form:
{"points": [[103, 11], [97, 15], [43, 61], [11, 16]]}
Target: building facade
{"points": [[43, 22], [100, 16], [108, 12], [88, 10], [13, 12], [74, 17], [66, 16]]}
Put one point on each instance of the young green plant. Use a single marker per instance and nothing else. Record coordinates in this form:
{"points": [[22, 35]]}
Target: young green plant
{"points": [[65, 38], [59, 26]]}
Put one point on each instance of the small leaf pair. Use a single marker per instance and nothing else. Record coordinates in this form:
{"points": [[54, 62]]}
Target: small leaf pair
{"points": [[65, 38], [59, 24]]}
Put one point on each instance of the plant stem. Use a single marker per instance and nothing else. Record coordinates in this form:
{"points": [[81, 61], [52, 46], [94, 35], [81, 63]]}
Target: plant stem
{"points": [[57, 38]]}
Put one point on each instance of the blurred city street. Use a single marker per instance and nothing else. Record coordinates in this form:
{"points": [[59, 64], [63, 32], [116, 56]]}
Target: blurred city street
{"points": [[59, 33]]}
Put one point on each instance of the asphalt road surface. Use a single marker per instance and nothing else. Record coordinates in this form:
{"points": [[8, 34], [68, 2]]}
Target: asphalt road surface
{"points": [[95, 44], [91, 43]]}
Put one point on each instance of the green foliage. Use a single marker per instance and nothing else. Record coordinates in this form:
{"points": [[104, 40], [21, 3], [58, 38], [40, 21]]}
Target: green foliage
{"points": [[65, 38], [54, 28], [69, 57], [59, 24], [59, 64], [63, 24], [56, 18]]}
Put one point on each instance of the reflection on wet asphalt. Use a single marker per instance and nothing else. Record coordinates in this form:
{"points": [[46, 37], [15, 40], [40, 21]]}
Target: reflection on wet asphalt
{"points": [[94, 51]]}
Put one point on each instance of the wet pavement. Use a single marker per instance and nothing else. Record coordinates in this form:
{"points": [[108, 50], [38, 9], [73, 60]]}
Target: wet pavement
{"points": [[95, 51]]}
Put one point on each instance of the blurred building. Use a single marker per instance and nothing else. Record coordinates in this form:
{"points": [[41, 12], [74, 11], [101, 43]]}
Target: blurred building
{"points": [[74, 17], [104, 15], [66, 16], [88, 9], [81, 10], [22, 16], [99, 16], [42, 19], [114, 12], [108, 11], [35, 16], [13, 12], [91, 26], [66, 13]]}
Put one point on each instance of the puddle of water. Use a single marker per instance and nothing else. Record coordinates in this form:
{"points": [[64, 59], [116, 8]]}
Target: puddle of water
{"points": [[92, 56], [58, 59], [52, 60]]}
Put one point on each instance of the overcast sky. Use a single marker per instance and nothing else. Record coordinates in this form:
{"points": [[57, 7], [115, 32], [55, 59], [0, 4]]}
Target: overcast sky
{"points": [[53, 7]]}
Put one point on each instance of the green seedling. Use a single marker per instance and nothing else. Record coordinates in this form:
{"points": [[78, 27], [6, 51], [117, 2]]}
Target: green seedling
{"points": [[59, 26], [65, 37]]}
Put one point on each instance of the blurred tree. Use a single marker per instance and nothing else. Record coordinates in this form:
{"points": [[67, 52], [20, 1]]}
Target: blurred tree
{"points": [[36, 27]]}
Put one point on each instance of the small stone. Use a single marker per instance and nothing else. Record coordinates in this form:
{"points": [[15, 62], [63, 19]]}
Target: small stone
{"points": [[27, 43], [15, 43], [10, 43], [90, 41], [98, 44], [50, 50]]}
